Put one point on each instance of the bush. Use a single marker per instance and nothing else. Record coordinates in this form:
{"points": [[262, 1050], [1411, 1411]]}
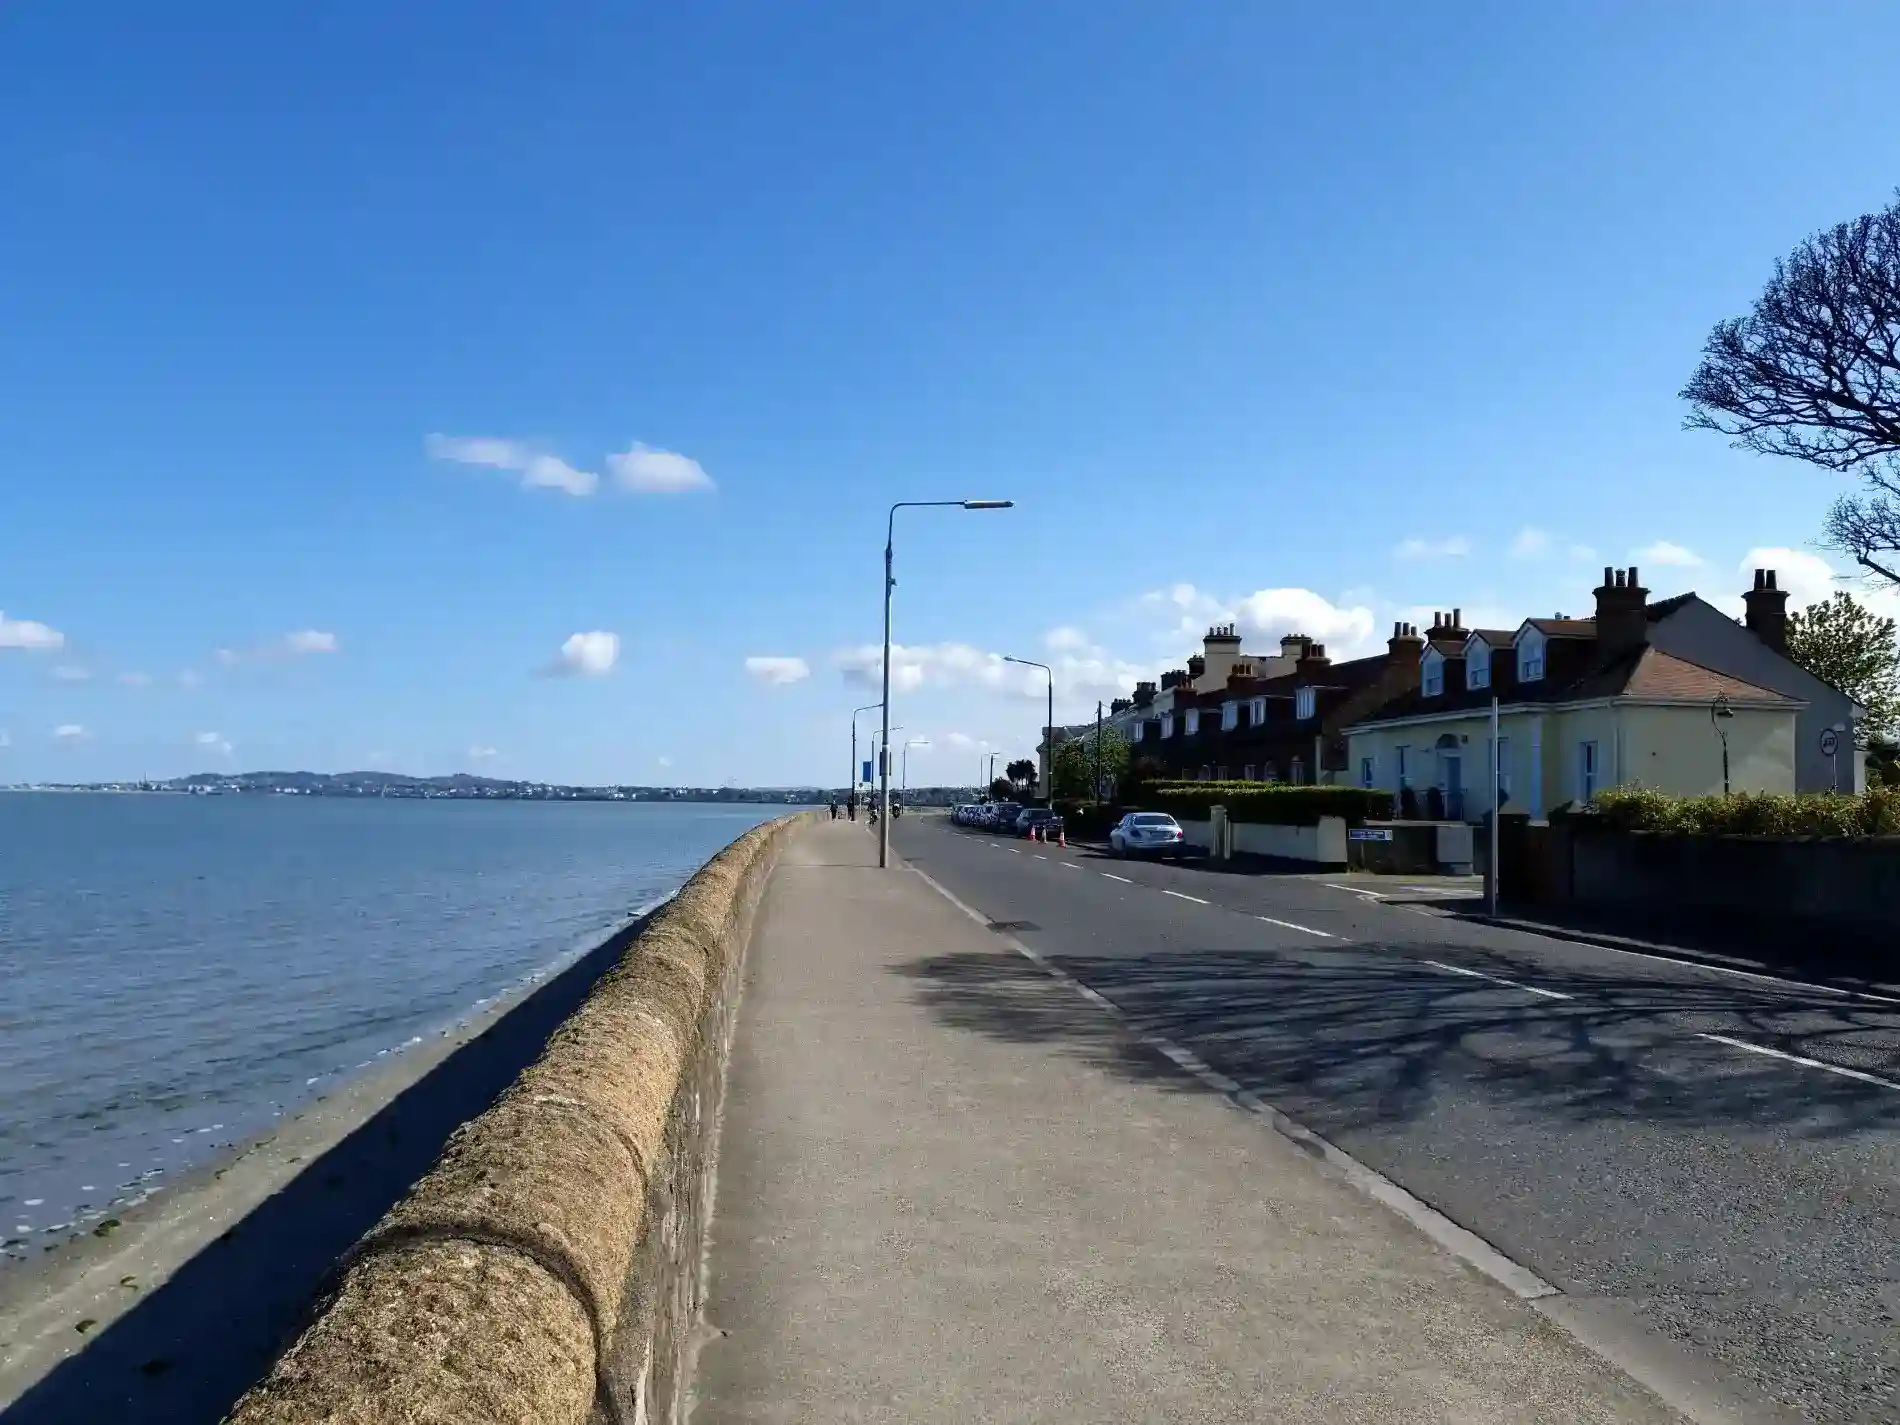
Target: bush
{"points": [[1875, 812], [1089, 820], [1269, 803]]}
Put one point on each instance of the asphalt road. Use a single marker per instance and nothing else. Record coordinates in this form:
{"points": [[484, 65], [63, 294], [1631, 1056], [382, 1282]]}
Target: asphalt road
{"points": [[1700, 1153]]}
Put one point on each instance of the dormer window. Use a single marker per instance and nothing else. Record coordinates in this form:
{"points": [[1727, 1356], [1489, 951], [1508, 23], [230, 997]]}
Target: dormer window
{"points": [[1477, 664], [1303, 703], [1259, 716], [1432, 673], [1193, 721], [1530, 656], [1229, 716]]}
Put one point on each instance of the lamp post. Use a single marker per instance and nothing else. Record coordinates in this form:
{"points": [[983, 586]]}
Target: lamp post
{"points": [[1049, 732], [854, 748], [884, 755], [1719, 713], [908, 744]]}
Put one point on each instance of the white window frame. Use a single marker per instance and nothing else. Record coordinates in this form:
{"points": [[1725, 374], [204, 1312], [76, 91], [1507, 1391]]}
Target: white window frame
{"points": [[1366, 770], [1431, 674], [1229, 716], [1258, 717], [1246, 773], [1193, 723], [1167, 724], [1477, 665], [1140, 728], [1305, 702], [1589, 770], [1531, 652], [1403, 752]]}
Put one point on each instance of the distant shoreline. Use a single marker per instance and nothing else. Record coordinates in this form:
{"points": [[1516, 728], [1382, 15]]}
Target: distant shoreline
{"points": [[429, 789]]}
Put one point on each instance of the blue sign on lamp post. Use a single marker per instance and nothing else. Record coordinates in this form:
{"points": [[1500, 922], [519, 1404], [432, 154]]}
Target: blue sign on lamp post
{"points": [[867, 769]]}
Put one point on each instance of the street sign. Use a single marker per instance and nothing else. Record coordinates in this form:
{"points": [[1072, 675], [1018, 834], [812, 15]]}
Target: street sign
{"points": [[1830, 742], [867, 769], [1369, 833]]}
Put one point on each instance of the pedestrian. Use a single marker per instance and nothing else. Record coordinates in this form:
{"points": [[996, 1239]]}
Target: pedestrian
{"points": [[852, 809], [834, 808]]}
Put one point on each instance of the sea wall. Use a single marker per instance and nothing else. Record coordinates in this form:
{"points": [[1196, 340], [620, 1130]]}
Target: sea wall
{"points": [[547, 1268]]}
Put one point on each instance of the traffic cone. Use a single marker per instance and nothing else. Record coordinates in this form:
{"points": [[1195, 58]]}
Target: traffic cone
{"points": [[1062, 837]]}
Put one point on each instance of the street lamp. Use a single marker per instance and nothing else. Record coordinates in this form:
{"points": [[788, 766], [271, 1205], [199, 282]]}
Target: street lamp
{"points": [[910, 743], [1049, 732], [854, 748], [1719, 713], [884, 756]]}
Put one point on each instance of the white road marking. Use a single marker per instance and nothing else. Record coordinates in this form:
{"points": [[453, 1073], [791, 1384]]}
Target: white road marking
{"points": [[1183, 896], [1494, 979], [1289, 925], [1041, 857], [1113, 877], [1802, 1060], [1353, 891], [1725, 970], [1461, 1242], [1017, 850], [1070, 864]]}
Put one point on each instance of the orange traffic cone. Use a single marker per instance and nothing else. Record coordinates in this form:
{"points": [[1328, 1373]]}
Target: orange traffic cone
{"points": [[1062, 837]]}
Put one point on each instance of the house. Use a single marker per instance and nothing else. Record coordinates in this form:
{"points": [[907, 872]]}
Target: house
{"points": [[1583, 704]]}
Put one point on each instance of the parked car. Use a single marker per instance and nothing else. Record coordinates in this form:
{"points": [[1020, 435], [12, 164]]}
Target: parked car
{"points": [[1030, 818], [1003, 816], [1147, 833]]}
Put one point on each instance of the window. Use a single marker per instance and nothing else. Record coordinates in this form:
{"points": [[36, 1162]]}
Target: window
{"points": [[1365, 771], [1267, 770], [1298, 773], [1140, 728], [1229, 716], [1220, 774], [1259, 718], [1432, 673], [1477, 665], [1193, 721], [1303, 703], [1586, 771], [1530, 656], [1246, 773], [1167, 725], [1404, 757]]}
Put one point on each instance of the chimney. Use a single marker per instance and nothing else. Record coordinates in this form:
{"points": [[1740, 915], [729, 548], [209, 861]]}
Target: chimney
{"points": [[1313, 662], [1622, 612], [1197, 665], [1405, 645], [1293, 647], [1768, 611], [1144, 695]]}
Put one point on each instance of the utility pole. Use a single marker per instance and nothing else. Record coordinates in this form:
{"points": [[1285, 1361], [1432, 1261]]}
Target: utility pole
{"points": [[1098, 750]]}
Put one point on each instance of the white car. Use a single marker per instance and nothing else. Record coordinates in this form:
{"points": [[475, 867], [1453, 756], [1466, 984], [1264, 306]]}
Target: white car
{"points": [[1147, 833]]}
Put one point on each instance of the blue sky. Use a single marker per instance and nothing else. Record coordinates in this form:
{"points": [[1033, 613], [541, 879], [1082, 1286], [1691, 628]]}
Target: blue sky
{"points": [[317, 320]]}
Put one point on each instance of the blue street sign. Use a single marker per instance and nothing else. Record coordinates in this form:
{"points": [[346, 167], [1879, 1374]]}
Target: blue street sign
{"points": [[867, 769]]}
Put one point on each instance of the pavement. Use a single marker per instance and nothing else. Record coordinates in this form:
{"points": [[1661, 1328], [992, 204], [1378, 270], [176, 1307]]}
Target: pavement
{"points": [[952, 1187], [1703, 1161]]}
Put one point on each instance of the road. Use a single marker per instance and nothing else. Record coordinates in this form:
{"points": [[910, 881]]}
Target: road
{"points": [[1682, 1150]]}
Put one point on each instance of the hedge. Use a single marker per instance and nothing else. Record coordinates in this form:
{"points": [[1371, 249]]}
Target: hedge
{"points": [[1269, 803], [1873, 813]]}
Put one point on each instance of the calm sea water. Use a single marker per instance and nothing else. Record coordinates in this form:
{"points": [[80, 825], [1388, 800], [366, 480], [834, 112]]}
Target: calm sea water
{"points": [[175, 972]]}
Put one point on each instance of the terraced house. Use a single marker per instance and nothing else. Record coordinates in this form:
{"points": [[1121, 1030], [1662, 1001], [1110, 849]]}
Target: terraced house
{"points": [[1674, 695]]}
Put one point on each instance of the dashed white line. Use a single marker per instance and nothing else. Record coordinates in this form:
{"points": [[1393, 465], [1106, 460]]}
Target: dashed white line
{"points": [[1494, 979], [1183, 896], [1016, 850], [1070, 864], [1289, 925], [1041, 857], [1113, 877], [1802, 1060]]}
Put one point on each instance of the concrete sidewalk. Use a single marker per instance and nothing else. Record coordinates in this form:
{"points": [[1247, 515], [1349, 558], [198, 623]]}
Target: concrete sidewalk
{"points": [[951, 1189]]}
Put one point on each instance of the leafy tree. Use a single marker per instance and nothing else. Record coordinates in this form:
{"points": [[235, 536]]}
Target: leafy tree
{"points": [[1002, 789], [1845, 643], [1021, 772], [1078, 759], [1813, 371]]}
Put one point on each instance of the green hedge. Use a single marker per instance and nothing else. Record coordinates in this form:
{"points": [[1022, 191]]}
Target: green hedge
{"points": [[1089, 820], [1270, 803], [1872, 813]]}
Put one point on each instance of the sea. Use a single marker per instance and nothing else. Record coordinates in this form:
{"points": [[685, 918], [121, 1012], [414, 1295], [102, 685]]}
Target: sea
{"points": [[177, 972]]}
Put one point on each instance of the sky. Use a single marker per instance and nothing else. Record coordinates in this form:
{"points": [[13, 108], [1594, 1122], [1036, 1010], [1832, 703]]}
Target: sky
{"points": [[521, 389]]}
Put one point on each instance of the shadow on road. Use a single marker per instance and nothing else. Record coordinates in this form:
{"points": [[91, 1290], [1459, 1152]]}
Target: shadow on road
{"points": [[1351, 1040], [185, 1353]]}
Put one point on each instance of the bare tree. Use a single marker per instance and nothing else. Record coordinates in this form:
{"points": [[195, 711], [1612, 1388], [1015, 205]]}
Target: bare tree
{"points": [[1813, 371]]}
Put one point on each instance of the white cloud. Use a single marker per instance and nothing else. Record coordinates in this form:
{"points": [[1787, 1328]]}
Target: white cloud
{"points": [[657, 472], [1066, 640], [136, 680], [191, 678], [963, 742], [25, 633], [229, 657], [1454, 547], [479, 753], [1531, 543], [310, 640], [777, 670], [214, 742], [1663, 552], [72, 673], [1583, 553], [70, 732], [1270, 614], [586, 655], [663, 761], [6, 738], [537, 469]]}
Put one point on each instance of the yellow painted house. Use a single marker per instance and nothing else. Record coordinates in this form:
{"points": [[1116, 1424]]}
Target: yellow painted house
{"points": [[1583, 704]]}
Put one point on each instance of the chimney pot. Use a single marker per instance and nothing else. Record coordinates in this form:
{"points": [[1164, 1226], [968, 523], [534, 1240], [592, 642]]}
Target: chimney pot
{"points": [[1608, 577], [1771, 578], [1457, 618], [1635, 579]]}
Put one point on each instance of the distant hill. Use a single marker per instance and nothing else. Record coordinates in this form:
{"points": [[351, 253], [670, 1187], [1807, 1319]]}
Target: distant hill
{"points": [[463, 785]]}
